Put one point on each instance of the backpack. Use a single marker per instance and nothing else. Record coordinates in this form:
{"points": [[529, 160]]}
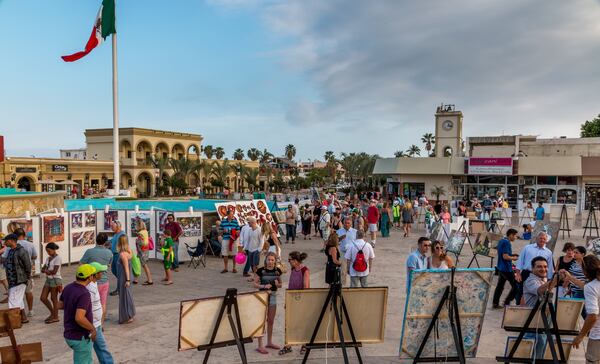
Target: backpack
{"points": [[360, 263], [150, 245]]}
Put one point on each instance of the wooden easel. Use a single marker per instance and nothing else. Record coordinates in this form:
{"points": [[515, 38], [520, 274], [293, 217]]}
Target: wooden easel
{"points": [[10, 320], [450, 302], [474, 258], [526, 215], [463, 228], [229, 302], [591, 222], [564, 222]]}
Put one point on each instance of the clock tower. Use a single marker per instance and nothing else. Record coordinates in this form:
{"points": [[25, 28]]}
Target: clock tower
{"points": [[448, 132]]}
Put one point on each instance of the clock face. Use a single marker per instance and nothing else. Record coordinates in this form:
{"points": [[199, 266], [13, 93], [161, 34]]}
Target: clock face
{"points": [[447, 125]]}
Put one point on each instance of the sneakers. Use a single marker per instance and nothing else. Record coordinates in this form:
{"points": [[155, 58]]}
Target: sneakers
{"points": [[114, 293], [497, 307], [30, 313]]}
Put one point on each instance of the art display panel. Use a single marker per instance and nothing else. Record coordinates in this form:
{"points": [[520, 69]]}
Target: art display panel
{"points": [[426, 291], [53, 228], [242, 210], [82, 233]]}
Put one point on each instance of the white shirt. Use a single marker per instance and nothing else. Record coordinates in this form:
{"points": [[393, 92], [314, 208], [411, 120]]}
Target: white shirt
{"points": [[254, 239], [531, 251], [591, 292], [92, 287], [50, 263], [351, 252], [349, 239], [244, 235]]}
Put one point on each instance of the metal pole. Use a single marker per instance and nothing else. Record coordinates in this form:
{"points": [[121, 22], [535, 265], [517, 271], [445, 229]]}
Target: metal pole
{"points": [[117, 175]]}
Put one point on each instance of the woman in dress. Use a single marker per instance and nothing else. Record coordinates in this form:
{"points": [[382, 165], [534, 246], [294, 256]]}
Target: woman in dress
{"points": [[268, 278], [299, 279], [307, 219], [385, 220], [141, 246], [439, 259], [407, 216], [565, 263], [334, 264], [124, 274]]}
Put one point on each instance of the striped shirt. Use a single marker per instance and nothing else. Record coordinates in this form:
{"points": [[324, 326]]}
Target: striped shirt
{"points": [[228, 225], [92, 287], [577, 272]]}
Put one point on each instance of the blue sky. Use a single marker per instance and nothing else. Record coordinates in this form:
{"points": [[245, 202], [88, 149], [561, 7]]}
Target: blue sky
{"points": [[333, 75]]}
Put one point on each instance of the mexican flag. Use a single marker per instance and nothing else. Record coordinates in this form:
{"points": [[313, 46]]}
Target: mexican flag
{"points": [[103, 27]]}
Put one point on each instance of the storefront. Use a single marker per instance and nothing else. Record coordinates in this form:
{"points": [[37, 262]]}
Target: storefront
{"points": [[591, 181]]}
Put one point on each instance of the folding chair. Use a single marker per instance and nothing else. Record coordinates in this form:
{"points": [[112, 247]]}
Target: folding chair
{"points": [[196, 254]]}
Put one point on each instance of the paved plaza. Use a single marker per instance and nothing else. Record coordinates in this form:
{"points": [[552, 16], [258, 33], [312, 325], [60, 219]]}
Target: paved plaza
{"points": [[152, 337]]}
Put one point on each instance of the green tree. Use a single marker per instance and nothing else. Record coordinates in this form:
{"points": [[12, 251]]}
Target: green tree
{"points": [[591, 129], [219, 174], [438, 191], [428, 139], [290, 151], [265, 156], [399, 154], [413, 150], [160, 164], [329, 155], [251, 178], [253, 154], [238, 155], [219, 152], [208, 151]]}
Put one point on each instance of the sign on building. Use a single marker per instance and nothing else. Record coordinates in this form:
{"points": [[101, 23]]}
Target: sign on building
{"points": [[491, 166], [60, 168]]}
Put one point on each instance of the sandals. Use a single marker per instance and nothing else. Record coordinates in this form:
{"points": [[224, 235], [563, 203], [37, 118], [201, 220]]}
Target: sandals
{"points": [[224, 271], [51, 320], [147, 283], [262, 351], [135, 282], [234, 271], [273, 346], [168, 283], [285, 350]]}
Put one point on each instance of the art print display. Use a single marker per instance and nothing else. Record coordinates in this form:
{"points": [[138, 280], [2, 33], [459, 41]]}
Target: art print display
{"points": [[426, 290], [109, 217], [90, 220], [77, 220], [486, 244], [191, 226], [82, 238], [242, 210], [135, 217], [27, 226], [162, 219], [456, 241], [550, 228], [53, 228]]}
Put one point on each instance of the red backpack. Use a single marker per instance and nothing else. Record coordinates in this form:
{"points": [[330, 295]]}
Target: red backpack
{"points": [[360, 263]]}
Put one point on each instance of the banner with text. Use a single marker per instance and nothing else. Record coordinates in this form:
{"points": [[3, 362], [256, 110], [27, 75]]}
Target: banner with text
{"points": [[491, 166]]}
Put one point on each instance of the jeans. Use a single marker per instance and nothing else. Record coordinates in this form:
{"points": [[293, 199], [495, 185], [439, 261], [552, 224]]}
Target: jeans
{"points": [[290, 232], [355, 280], [176, 253], [101, 349], [82, 350], [504, 277], [524, 275], [540, 343], [251, 260]]}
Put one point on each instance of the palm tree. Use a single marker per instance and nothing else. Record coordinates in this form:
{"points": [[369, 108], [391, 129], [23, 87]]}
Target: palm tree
{"points": [[240, 170], [251, 177], [429, 140], [265, 156], [267, 170], [219, 152], [413, 150], [206, 168], [329, 155], [438, 191], [399, 154], [208, 151], [238, 155], [161, 164], [219, 174], [290, 151], [253, 154]]}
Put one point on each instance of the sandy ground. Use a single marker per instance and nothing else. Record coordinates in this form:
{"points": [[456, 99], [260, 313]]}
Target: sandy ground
{"points": [[152, 338]]}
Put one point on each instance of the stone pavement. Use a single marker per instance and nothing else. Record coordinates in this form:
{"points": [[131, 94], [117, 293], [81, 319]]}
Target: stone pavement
{"points": [[152, 338]]}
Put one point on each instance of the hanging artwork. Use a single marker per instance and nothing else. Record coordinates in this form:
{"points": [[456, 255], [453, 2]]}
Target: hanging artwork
{"points": [[135, 217], [53, 228], [162, 219], [242, 210], [426, 290], [191, 226], [82, 238], [77, 220], [27, 226], [90, 219], [109, 217], [456, 241]]}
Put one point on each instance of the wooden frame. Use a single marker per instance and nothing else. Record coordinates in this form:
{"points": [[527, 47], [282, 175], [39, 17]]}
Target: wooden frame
{"points": [[568, 311], [197, 319], [302, 309]]}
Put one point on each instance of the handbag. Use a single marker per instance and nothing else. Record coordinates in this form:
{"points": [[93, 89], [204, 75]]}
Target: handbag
{"points": [[136, 265]]}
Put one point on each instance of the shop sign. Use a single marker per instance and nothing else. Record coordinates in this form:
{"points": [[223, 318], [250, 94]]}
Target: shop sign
{"points": [[25, 169], [491, 166], [60, 168]]}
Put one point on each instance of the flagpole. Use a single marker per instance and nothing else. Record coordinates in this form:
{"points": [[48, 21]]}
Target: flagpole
{"points": [[116, 159]]}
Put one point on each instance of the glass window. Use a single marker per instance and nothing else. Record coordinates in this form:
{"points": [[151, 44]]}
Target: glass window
{"points": [[567, 196], [529, 180], [497, 180], [129, 154], [546, 195], [512, 180], [592, 196], [471, 179], [567, 180], [413, 190], [546, 180]]}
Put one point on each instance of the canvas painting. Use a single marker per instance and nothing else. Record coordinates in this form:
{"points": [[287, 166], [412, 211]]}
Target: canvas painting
{"points": [[27, 226], [162, 219], [109, 217], [437, 231], [486, 244], [551, 228], [90, 219], [54, 229], [427, 289], [77, 220], [456, 241], [83, 238], [144, 216], [594, 246], [191, 226]]}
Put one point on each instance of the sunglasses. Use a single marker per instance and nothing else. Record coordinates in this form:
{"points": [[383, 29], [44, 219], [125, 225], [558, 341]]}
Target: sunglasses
{"points": [[439, 248]]}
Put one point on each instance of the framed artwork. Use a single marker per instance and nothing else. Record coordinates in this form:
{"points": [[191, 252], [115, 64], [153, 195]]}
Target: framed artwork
{"points": [[90, 219], [27, 226], [135, 217], [53, 228], [456, 241], [109, 217], [83, 238], [191, 226], [77, 220]]}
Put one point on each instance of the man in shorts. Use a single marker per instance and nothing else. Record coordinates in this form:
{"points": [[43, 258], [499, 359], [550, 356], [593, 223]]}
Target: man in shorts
{"points": [[18, 272], [33, 254], [372, 220], [229, 246]]}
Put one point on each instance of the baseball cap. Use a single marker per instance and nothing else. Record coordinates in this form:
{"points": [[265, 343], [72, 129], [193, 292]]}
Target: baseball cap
{"points": [[11, 237], [99, 267], [85, 270]]}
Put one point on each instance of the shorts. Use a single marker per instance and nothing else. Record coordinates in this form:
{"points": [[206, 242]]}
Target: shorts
{"points": [[373, 228], [53, 282], [167, 264], [396, 218], [103, 289], [2, 273], [592, 353], [143, 255], [29, 288], [273, 299], [225, 251], [16, 295]]}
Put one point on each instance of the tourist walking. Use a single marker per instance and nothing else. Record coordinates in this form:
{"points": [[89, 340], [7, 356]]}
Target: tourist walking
{"points": [[396, 213], [79, 331], [359, 257], [306, 221], [417, 259], [168, 253], [407, 216], [124, 274], [334, 263], [317, 219], [116, 228], [268, 278], [385, 221], [270, 237], [290, 224], [325, 223], [53, 284], [176, 232], [230, 229], [564, 264], [591, 325], [373, 219], [252, 241], [299, 279], [100, 347], [540, 212], [142, 247], [439, 259], [33, 254], [347, 236], [18, 272], [102, 255], [505, 270]]}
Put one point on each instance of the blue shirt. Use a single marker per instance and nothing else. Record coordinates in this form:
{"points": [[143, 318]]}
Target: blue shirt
{"points": [[539, 213], [531, 251], [227, 226], [100, 255], [504, 247], [415, 261], [114, 241]]}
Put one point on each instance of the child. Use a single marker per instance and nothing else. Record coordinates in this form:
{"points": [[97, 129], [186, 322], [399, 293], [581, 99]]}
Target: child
{"points": [[268, 278], [527, 230], [168, 257], [428, 219], [53, 284]]}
